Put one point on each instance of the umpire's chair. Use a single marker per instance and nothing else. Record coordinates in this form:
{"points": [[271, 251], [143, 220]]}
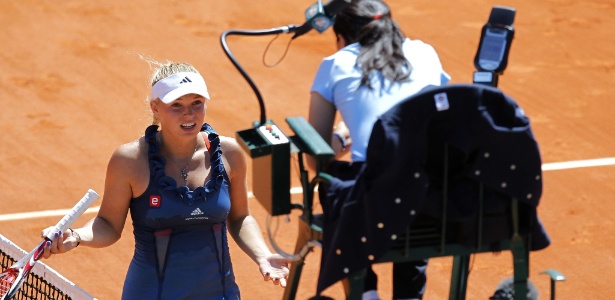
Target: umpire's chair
{"points": [[451, 171]]}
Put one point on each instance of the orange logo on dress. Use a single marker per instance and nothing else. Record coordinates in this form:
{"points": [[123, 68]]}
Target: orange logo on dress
{"points": [[154, 201]]}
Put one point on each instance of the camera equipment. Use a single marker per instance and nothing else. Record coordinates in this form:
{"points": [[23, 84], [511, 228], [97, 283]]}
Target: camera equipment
{"points": [[496, 37]]}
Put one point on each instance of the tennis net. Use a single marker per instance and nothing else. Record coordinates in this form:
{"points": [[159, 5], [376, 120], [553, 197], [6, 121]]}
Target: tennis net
{"points": [[43, 282]]}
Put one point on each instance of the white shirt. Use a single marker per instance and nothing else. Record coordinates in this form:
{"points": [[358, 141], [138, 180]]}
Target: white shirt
{"points": [[338, 79]]}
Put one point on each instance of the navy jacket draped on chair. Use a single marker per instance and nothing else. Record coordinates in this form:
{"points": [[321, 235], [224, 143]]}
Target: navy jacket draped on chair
{"points": [[490, 142]]}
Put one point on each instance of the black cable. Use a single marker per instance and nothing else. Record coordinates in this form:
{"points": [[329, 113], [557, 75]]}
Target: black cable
{"points": [[227, 51], [281, 58]]}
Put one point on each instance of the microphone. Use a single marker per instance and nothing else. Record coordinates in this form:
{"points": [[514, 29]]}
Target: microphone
{"points": [[320, 17]]}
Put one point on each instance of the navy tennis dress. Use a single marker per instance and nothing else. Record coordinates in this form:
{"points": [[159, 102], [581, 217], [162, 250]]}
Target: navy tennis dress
{"points": [[181, 246]]}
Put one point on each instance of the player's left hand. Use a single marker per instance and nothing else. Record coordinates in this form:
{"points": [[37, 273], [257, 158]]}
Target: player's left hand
{"points": [[275, 268]]}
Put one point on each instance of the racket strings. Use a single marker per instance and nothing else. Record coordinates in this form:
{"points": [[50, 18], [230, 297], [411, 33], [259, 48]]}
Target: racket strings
{"points": [[6, 281], [35, 287]]}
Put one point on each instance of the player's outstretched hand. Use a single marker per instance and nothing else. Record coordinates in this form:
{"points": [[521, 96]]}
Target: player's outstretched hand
{"points": [[275, 268]]}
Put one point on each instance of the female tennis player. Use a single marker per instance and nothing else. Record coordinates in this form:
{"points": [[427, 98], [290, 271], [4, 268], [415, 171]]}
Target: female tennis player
{"points": [[184, 186]]}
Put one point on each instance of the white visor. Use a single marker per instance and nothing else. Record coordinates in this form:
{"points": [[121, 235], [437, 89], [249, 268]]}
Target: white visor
{"points": [[179, 84]]}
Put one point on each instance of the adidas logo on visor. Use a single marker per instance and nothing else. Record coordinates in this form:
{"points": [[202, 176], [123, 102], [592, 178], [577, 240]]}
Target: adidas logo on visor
{"points": [[179, 84]]}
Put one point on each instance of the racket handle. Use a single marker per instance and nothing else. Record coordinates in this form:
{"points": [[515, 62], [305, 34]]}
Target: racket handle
{"points": [[75, 212]]}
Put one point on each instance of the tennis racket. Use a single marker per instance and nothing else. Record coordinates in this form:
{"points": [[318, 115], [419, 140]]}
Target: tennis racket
{"points": [[13, 277]]}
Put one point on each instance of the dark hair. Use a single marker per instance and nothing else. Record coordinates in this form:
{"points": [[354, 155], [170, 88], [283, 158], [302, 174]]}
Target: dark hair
{"points": [[369, 23]]}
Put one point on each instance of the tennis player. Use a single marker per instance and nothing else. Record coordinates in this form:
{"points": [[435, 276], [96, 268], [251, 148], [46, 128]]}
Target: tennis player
{"points": [[185, 187]]}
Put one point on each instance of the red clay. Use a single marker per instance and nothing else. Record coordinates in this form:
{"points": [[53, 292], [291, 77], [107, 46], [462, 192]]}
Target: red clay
{"points": [[73, 88]]}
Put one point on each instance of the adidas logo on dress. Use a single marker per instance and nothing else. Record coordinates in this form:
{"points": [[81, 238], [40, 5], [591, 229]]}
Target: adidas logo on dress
{"points": [[185, 80], [196, 212]]}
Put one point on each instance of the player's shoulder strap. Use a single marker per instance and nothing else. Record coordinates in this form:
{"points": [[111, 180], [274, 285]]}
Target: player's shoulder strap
{"points": [[210, 134]]}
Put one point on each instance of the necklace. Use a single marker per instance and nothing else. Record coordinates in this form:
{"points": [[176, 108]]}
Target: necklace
{"points": [[184, 170]]}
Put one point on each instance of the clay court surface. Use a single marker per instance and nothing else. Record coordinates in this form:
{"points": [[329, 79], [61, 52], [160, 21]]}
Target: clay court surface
{"points": [[72, 89]]}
